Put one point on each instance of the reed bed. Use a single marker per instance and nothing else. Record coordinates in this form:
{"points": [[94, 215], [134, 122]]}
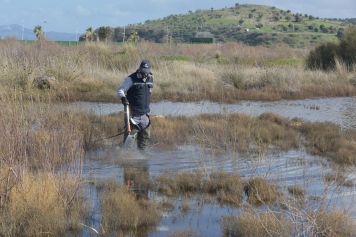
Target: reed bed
{"points": [[269, 223], [43, 204], [221, 73], [41, 152], [241, 133], [269, 208], [236, 132], [122, 211]]}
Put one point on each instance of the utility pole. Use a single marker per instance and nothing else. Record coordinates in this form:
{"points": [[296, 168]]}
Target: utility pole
{"points": [[45, 29], [123, 37], [76, 33], [167, 34], [23, 28]]}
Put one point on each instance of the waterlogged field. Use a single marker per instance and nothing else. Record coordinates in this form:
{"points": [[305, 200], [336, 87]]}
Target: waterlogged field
{"points": [[199, 209], [212, 191], [220, 161]]}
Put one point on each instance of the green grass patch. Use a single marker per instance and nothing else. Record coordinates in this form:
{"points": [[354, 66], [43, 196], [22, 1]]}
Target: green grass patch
{"points": [[284, 62]]}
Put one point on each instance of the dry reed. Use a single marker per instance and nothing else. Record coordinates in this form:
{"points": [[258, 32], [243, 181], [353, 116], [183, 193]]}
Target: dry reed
{"points": [[44, 204], [260, 192], [93, 71], [259, 224], [121, 210], [41, 152]]}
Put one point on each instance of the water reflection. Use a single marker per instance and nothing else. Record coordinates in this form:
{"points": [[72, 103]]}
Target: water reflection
{"points": [[341, 111], [294, 167]]}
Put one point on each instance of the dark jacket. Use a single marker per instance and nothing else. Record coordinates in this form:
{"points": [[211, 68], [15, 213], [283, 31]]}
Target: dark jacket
{"points": [[139, 95]]}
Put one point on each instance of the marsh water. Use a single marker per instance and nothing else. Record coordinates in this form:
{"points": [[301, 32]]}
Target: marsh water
{"points": [[340, 110], [294, 167]]}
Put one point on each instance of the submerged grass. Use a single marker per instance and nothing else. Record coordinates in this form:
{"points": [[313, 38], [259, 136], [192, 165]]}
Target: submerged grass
{"points": [[225, 187], [121, 210], [261, 224], [238, 133], [269, 223], [260, 192], [233, 131]]}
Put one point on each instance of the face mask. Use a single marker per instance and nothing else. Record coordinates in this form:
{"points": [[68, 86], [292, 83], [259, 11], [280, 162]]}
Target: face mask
{"points": [[144, 74]]}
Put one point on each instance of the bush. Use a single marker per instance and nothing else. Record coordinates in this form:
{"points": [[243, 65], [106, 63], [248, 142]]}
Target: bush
{"points": [[348, 45], [323, 56]]}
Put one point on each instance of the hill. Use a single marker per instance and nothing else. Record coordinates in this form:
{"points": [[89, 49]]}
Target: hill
{"points": [[247, 23]]}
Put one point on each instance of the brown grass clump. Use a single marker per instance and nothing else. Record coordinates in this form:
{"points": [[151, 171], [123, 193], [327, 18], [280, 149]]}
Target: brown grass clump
{"points": [[273, 129], [331, 224], [297, 191], [251, 223], [136, 176], [167, 133], [184, 233], [220, 132], [338, 177], [44, 204], [185, 207], [41, 152], [121, 210], [260, 191], [179, 183], [242, 133], [318, 222], [227, 187], [327, 139]]}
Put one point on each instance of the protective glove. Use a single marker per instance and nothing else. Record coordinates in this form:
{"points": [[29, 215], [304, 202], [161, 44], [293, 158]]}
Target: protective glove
{"points": [[124, 101]]}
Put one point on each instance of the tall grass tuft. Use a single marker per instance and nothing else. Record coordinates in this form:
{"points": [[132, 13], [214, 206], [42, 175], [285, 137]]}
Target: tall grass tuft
{"points": [[259, 224], [325, 138], [44, 204], [226, 186], [41, 152], [121, 210], [259, 191]]}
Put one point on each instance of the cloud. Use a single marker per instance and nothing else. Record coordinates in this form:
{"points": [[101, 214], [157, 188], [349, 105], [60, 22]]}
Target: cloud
{"points": [[81, 11], [118, 13]]}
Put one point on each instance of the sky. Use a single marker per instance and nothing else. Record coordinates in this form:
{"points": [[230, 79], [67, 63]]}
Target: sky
{"points": [[75, 16]]}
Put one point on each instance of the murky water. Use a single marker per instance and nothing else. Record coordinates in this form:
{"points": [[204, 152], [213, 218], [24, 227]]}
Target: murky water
{"points": [[341, 111], [294, 167], [287, 169]]}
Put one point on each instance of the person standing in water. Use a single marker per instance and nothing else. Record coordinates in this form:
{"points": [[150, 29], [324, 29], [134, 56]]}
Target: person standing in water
{"points": [[135, 92]]}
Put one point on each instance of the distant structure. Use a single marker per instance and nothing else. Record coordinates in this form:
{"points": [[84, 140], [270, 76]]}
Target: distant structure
{"points": [[202, 40]]}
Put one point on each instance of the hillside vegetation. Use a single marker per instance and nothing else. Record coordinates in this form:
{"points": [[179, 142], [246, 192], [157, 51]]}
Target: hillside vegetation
{"points": [[247, 23]]}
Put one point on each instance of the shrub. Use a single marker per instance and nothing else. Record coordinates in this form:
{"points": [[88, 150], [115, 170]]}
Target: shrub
{"points": [[348, 45], [323, 56], [121, 210]]}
